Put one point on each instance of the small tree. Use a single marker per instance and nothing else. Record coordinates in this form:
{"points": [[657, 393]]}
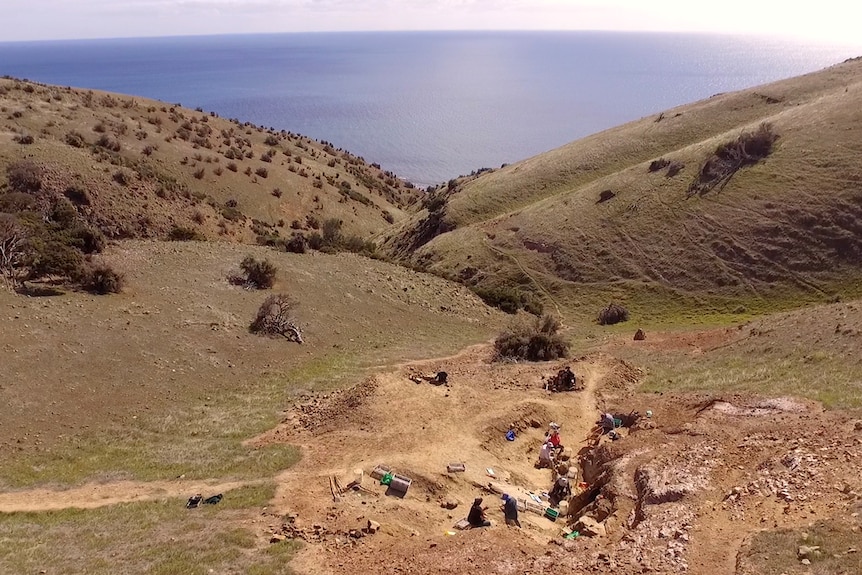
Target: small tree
{"points": [[24, 176], [13, 245], [276, 317], [259, 274], [103, 279], [332, 234], [537, 341], [613, 313]]}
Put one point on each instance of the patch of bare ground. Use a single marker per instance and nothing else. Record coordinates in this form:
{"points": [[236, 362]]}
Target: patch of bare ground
{"points": [[678, 492]]}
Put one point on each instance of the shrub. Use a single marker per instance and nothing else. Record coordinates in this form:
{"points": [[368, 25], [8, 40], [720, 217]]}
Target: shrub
{"points": [[613, 313], [199, 173], [87, 240], [296, 244], [509, 300], [271, 140], [656, 165], [121, 177], [262, 172], [276, 192], [358, 245], [276, 317], [232, 166], [103, 279], [184, 234], [108, 143], [537, 341], [24, 139], [674, 168], [53, 257], [332, 235], [748, 149], [24, 176], [259, 274], [315, 240], [13, 248]]}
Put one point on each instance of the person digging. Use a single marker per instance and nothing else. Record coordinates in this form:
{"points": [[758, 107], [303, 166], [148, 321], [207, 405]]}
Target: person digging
{"points": [[560, 491], [555, 440], [510, 510], [476, 517], [546, 456]]}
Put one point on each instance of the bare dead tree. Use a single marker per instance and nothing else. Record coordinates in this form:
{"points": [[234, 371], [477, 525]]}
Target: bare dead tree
{"points": [[13, 244], [276, 316]]}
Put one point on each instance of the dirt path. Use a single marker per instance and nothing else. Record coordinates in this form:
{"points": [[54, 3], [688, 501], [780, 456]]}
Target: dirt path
{"points": [[95, 495]]}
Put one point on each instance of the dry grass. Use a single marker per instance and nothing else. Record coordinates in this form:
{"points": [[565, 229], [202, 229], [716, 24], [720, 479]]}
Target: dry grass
{"points": [[810, 353], [155, 537], [775, 552], [161, 152], [164, 379], [782, 232]]}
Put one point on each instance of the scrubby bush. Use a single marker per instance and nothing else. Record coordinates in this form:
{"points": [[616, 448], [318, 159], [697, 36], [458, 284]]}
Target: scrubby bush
{"points": [[315, 240], [24, 139], [24, 176], [276, 316], [509, 299], [296, 244], [539, 340], [613, 313], [51, 256], [184, 234], [262, 172], [748, 149], [121, 177], [86, 239], [331, 229], [657, 165], [259, 274], [108, 143], [103, 279]]}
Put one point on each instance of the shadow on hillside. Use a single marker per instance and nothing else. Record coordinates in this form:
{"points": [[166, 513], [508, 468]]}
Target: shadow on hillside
{"points": [[40, 290]]}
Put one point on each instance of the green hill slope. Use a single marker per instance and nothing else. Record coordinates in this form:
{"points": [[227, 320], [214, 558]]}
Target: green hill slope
{"points": [[134, 167], [597, 220]]}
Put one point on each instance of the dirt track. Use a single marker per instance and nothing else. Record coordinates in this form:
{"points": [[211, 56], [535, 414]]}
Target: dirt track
{"points": [[95, 495]]}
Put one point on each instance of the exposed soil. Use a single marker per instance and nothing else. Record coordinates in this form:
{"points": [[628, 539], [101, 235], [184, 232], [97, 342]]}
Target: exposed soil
{"points": [[681, 491]]}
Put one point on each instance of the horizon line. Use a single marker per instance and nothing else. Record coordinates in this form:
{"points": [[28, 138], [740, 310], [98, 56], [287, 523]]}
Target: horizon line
{"points": [[782, 36]]}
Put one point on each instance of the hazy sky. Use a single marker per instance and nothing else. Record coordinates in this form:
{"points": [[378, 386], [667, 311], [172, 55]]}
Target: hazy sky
{"points": [[836, 20]]}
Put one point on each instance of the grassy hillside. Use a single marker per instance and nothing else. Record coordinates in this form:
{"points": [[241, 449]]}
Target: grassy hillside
{"points": [[165, 379], [598, 220], [139, 168]]}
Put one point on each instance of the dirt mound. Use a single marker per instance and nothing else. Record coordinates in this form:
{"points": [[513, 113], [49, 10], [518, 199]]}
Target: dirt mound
{"points": [[331, 411]]}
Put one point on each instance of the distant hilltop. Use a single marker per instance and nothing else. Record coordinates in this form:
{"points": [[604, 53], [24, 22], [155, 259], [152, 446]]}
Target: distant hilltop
{"points": [[744, 201]]}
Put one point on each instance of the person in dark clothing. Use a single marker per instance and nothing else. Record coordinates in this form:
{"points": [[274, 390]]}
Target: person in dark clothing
{"points": [[476, 517], [510, 510], [560, 491], [567, 379]]}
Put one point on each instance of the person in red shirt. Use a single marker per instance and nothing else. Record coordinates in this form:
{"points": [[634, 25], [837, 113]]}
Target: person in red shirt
{"points": [[555, 440]]}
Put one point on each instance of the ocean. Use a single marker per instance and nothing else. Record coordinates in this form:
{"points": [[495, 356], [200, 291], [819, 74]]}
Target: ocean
{"points": [[427, 105]]}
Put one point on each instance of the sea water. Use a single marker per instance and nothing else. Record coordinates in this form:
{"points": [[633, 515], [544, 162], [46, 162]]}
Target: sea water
{"points": [[427, 105]]}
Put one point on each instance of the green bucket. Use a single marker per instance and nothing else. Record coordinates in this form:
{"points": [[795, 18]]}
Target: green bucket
{"points": [[386, 479]]}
